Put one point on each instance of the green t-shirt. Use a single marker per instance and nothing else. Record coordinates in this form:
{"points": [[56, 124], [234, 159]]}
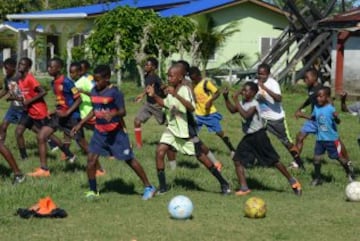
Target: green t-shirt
{"points": [[85, 83], [176, 112]]}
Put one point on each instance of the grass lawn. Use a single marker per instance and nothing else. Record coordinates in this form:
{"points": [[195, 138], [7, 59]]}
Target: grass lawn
{"points": [[320, 214]]}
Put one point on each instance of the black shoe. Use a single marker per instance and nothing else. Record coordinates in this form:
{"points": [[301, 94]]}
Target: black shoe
{"points": [[162, 191], [225, 189], [350, 172], [316, 182], [18, 179]]}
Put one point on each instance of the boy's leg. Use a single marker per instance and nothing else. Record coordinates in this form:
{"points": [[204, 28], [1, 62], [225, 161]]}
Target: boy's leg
{"points": [[295, 185], [300, 137], [161, 151], [3, 128], [6, 153], [91, 171], [240, 173], [171, 156], [211, 156], [226, 140], [19, 133], [202, 157], [317, 180]]}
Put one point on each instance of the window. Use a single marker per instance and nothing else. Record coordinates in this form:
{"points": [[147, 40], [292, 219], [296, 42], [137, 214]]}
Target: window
{"points": [[266, 44], [79, 40]]}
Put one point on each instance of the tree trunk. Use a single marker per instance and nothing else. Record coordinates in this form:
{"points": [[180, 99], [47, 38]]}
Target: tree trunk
{"points": [[118, 60], [141, 73], [160, 61]]}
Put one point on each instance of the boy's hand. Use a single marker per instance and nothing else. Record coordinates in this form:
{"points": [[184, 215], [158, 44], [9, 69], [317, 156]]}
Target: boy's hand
{"points": [[171, 90], [138, 98], [75, 129], [236, 95], [150, 91], [343, 95], [298, 114], [225, 93]]}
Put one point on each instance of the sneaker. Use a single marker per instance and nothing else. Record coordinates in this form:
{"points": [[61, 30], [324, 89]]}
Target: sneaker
{"points": [[19, 178], [296, 187], [92, 194], [54, 149], [149, 192], [316, 182], [39, 172], [71, 159], [218, 166], [100, 173], [225, 189], [242, 192], [293, 165]]}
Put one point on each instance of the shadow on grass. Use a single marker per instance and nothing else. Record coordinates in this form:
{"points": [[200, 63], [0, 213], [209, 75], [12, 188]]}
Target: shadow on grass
{"points": [[119, 186], [187, 184], [256, 185], [74, 167], [5, 171], [188, 164]]}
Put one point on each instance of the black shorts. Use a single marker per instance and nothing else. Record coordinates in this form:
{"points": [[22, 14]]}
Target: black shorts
{"points": [[65, 124], [29, 122], [256, 145]]}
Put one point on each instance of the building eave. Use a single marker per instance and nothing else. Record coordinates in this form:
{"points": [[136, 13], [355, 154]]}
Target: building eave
{"points": [[46, 16]]}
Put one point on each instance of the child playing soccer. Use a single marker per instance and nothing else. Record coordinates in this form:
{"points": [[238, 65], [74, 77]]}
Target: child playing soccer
{"points": [[255, 142], [269, 97], [327, 137], [177, 134], [65, 117], [110, 137], [150, 108], [205, 111]]}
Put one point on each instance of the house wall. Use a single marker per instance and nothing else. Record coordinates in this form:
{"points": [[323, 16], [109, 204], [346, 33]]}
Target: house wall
{"points": [[254, 22], [351, 82]]}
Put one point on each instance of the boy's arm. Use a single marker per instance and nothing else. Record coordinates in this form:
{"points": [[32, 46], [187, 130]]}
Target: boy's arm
{"points": [[298, 112], [188, 105], [82, 122], [72, 108], [344, 107], [150, 91], [336, 118], [41, 93], [276, 97], [3, 92], [228, 104], [245, 114]]}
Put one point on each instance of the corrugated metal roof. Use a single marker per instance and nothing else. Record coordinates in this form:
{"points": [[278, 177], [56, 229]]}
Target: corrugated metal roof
{"points": [[18, 25], [104, 7], [194, 7]]}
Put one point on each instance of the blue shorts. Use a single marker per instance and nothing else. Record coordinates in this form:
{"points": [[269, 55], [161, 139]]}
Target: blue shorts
{"points": [[14, 115], [333, 148], [211, 121], [309, 127], [115, 143]]}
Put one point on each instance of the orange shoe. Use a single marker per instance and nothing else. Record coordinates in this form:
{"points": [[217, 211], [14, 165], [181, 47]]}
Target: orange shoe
{"points": [[242, 193], [218, 166], [296, 187], [100, 173], [39, 172]]}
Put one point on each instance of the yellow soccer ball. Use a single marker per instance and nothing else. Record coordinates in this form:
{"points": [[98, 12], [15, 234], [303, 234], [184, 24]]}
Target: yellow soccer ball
{"points": [[255, 208]]}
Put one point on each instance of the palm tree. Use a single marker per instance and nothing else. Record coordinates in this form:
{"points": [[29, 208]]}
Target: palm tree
{"points": [[211, 38]]}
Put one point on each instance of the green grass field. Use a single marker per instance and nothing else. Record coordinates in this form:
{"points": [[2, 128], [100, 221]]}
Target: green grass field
{"points": [[320, 214]]}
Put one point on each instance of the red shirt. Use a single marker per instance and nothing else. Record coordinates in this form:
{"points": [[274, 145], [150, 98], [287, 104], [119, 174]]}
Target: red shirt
{"points": [[38, 109]]}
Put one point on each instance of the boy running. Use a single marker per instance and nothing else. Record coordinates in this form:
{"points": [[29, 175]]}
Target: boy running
{"points": [[327, 137], [65, 117], [205, 111], [269, 97], [255, 142], [177, 134], [150, 108], [110, 137]]}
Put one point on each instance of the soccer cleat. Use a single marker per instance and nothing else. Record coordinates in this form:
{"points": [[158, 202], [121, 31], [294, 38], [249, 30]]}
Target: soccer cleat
{"points": [[92, 195], [296, 187], [19, 178], [316, 182], [242, 192], [149, 192], [225, 189], [54, 149], [218, 166], [39, 172], [162, 191], [100, 173], [350, 171]]}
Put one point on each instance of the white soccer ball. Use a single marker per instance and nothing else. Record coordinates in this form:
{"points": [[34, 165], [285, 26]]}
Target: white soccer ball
{"points": [[180, 207], [352, 191]]}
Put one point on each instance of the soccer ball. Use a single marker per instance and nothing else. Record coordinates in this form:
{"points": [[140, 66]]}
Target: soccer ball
{"points": [[180, 207], [352, 191], [255, 208]]}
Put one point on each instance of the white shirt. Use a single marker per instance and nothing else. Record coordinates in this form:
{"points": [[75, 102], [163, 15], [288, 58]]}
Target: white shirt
{"points": [[269, 108]]}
